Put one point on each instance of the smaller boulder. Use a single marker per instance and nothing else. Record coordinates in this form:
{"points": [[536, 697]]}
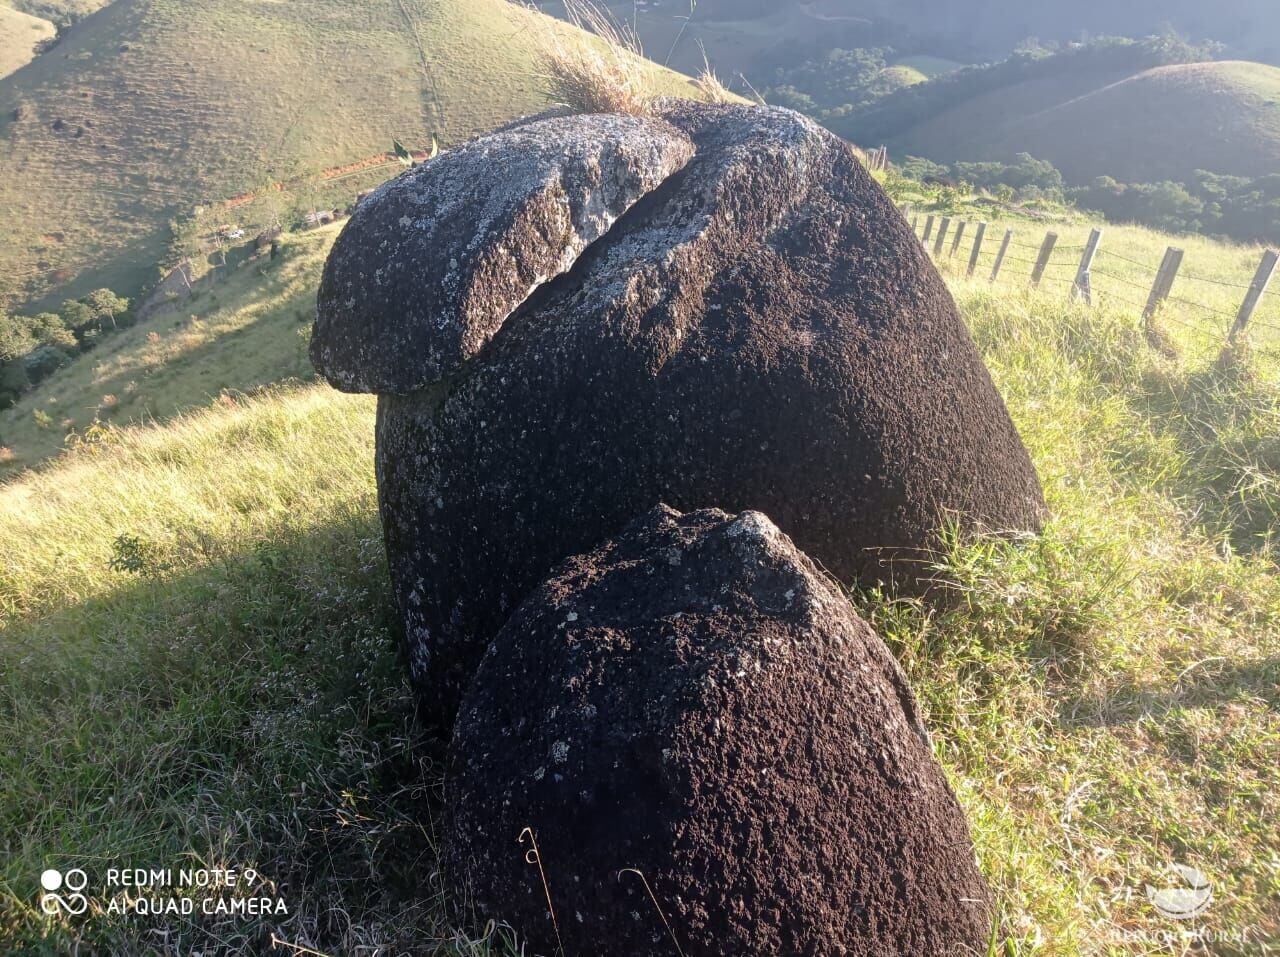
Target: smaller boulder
{"points": [[701, 744]]}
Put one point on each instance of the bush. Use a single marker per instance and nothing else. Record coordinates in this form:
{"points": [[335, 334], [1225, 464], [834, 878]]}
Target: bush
{"points": [[837, 83], [1243, 209], [42, 362]]}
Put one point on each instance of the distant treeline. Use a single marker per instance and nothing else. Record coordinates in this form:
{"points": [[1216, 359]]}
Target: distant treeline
{"points": [[837, 84], [1234, 207], [32, 348]]}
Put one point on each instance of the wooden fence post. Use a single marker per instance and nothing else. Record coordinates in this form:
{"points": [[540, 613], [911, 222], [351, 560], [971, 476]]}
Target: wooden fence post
{"points": [[1163, 285], [1082, 288], [977, 248], [928, 229], [1257, 290], [942, 236], [1042, 261], [915, 222], [1004, 251], [955, 243]]}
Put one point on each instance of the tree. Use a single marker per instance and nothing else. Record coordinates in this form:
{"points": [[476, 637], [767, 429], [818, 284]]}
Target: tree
{"points": [[48, 327], [106, 303], [15, 343], [184, 244], [78, 317]]}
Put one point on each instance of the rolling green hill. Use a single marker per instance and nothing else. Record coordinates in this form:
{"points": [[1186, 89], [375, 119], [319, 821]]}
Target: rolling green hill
{"points": [[149, 108], [19, 34], [986, 29], [1162, 123]]}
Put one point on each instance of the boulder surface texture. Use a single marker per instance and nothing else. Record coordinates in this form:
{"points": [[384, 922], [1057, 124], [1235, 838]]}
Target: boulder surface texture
{"points": [[694, 702], [716, 306]]}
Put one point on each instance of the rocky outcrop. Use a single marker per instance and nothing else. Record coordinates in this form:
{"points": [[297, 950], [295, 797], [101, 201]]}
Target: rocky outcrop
{"points": [[436, 260], [760, 330], [694, 707]]}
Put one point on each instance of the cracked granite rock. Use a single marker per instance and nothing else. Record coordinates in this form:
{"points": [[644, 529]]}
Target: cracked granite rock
{"points": [[578, 318]]}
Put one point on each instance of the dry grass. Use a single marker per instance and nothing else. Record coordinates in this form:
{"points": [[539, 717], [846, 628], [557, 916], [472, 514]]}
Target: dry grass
{"points": [[710, 85], [608, 76]]}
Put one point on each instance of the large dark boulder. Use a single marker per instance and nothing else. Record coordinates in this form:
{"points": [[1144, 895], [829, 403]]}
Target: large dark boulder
{"points": [[761, 330], [695, 701]]}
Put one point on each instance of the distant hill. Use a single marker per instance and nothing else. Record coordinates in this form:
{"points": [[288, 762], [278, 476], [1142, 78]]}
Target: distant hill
{"points": [[19, 34], [26, 23], [988, 29], [1161, 123], [149, 108]]}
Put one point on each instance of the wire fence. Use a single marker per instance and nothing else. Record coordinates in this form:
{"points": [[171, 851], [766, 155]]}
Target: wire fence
{"points": [[1212, 312]]}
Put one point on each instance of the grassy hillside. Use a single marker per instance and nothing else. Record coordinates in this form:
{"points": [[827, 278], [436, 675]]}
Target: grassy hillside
{"points": [[984, 29], [929, 67], [19, 34], [241, 330], [151, 107], [60, 12], [1163, 123], [738, 38], [197, 662]]}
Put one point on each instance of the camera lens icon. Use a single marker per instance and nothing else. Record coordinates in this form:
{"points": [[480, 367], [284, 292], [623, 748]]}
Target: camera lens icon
{"points": [[74, 881]]}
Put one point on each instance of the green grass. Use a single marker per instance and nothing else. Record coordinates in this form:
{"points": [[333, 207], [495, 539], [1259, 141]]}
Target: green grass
{"points": [[198, 662], [149, 108], [19, 33], [905, 75], [1194, 322], [930, 66]]}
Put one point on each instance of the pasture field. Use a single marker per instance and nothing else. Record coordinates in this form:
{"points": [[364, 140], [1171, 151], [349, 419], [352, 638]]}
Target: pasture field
{"points": [[198, 664], [930, 66], [19, 34]]}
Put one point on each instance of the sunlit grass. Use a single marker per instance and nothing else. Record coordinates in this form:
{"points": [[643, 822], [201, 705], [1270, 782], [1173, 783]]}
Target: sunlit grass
{"points": [[198, 656]]}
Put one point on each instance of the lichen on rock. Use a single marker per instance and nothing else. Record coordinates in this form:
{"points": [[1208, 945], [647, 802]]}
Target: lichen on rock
{"points": [[695, 701], [432, 263]]}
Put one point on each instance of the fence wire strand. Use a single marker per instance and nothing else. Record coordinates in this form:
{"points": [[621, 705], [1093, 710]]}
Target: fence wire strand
{"points": [[1216, 282], [1201, 306]]}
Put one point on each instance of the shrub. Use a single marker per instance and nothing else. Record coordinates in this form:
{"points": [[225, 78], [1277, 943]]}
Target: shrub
{"points": [[42, 362]]}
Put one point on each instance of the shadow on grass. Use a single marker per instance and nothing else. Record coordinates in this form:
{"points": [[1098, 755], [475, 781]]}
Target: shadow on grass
{"points": [[1222, 421], [249, 711]]}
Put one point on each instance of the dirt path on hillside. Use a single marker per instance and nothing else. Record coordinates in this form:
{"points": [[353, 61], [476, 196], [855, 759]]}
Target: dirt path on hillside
{"points": [[376, 161], [808, 11]]}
